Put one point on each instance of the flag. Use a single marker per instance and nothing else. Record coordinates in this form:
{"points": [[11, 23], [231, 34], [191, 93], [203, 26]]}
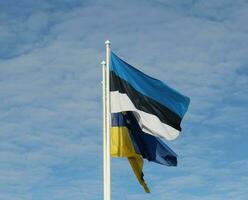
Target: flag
{"points": [[122, 146], [150, 147], [128, 140], [158, 108]]}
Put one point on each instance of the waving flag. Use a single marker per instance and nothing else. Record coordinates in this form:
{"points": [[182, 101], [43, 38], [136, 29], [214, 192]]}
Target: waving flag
{"points": [[122, 146], [150, 147], [128, 140], [158, 108]]}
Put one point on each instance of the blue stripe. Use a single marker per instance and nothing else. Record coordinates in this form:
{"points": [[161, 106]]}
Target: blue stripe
{"points": [[150, 147], [149, 86], [117, 119]]}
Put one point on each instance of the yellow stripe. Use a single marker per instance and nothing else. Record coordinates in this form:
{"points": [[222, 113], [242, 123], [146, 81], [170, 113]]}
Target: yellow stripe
{"points": [[137, 166], [122, 146]]}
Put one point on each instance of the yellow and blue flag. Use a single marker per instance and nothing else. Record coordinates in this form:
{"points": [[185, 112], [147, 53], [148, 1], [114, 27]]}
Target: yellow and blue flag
{"points": [[128, 140], [122, 146]]}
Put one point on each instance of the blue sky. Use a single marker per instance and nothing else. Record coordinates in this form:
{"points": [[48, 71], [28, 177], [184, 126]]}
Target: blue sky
{"points": [[50, 91]]}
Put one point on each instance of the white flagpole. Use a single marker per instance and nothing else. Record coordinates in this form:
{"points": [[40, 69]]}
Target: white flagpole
{"points": [[103, 63], [108, 124]]}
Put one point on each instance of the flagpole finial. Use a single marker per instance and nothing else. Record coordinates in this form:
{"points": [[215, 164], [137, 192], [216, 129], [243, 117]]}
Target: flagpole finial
{"points": [[107, 42], [103, 63]]}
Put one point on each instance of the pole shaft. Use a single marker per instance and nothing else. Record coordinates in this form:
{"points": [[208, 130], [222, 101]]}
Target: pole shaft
{"points": [[104, 128], [108, 124]]}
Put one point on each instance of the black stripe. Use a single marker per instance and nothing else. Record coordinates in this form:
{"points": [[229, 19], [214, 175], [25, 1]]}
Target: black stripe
{"points": [[144, 103]]}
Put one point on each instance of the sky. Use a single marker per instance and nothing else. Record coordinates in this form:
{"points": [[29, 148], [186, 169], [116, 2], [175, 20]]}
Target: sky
{"points": [[51, 100]]}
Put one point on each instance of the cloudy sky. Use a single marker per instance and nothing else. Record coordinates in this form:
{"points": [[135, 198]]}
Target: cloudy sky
{"points": [[50, 94]]}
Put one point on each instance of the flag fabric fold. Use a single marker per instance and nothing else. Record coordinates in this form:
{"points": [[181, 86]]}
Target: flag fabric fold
{"points": [[158, 108], [150, 147]]}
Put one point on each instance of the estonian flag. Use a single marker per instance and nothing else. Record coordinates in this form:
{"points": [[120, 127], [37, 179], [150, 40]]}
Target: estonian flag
{"points": [[158, 108]]}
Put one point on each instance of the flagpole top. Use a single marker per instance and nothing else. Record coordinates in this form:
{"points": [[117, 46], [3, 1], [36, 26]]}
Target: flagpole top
{"points": [[107, 42], [103, 62]]}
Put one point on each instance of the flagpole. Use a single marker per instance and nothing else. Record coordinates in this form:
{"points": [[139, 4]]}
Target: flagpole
{"points": [[103, 63], [108, 123]]}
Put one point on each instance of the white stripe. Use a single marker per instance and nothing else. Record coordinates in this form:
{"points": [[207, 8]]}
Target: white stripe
{"points": [[149, 123]]}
